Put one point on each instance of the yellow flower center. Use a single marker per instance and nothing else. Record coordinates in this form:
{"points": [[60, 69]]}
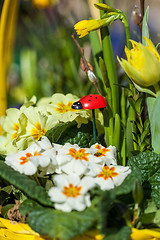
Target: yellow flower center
{"points": [[25, 159], [16, 128], [38, 131], [80, 154], [101, 151], [62, 108], [107, 173], [72, 191]]}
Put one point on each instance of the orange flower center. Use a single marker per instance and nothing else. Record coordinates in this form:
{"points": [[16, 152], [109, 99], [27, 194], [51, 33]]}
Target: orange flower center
{"points": [[25, 159], [101, 151], [72, 191], [62, 108], [80, 154], [38, 131], [16, 128], [107, 173]]}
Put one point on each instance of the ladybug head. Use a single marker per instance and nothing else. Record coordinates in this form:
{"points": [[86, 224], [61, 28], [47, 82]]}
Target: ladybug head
{"points": [[77, 105]]}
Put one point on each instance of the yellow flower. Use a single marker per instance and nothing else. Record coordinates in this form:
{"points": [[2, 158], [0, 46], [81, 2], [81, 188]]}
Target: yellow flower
{"points": [[143, 234], [142, 64], [43, 3], [85, 26], [60, 106]]}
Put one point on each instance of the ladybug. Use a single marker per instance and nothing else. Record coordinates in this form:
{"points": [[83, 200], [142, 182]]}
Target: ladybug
{"points": [[92, 101]]}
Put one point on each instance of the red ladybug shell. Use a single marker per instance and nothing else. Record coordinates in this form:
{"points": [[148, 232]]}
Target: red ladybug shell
{"points": [[92, 101]]}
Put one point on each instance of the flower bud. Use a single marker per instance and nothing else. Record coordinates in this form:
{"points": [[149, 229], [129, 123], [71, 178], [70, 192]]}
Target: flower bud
{"points": [[142, 64]]}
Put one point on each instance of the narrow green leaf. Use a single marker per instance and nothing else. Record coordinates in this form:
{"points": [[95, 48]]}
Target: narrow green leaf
{"points": [[25, 184], [145, 29]]}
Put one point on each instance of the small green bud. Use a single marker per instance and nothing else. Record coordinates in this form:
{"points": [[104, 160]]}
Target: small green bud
{"points": [[137, 192]]}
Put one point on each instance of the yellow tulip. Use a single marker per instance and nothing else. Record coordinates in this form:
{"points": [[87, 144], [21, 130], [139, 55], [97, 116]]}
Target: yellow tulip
{"points": [[142, 64]]}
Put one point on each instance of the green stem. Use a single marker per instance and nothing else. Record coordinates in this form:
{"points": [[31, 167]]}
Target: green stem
{"points": [[94, 125], [127, 30]]}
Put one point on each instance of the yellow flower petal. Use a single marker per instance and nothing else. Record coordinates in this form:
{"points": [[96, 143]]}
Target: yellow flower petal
{"points": [[142, 64], [143, 234]]}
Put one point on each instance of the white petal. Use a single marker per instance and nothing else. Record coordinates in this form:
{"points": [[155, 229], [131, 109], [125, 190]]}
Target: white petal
{"points": [[56, 195]]}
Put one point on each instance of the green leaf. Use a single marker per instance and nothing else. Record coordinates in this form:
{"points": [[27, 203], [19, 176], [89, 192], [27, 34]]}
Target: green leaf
{"points": [[56, 132], [58, 224], [127, 185], [123, 233], [25, 184], [154, 117], [5, 209], [139, 104], [132, 102], [82, 136], [145, 29], [148, 163], [113, 227]]}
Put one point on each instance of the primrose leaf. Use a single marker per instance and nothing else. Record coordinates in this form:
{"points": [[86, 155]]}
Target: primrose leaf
{"points": [[58, 224], [25, 184], [148, 163]]}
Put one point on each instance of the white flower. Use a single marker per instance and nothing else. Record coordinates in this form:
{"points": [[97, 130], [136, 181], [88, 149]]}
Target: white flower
{"points": [[21, 162], [110, 176], [101, 156], [107, 155], [74, 159], [70, 192], [38, 154]]}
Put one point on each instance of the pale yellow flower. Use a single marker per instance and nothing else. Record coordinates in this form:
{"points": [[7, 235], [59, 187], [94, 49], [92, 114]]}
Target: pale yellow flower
{"points": [[38, 124], [142, 64], [60, 106]]}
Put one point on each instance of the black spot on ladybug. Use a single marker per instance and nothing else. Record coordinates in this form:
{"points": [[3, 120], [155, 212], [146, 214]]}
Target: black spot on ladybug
{"points": [[90, 96], [89, 100], [95, 97]]}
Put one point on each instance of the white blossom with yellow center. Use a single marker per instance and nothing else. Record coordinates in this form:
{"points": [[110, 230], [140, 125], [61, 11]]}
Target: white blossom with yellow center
{"points": [[71, 192], [38, 154], [74, 159], [111, 176]]}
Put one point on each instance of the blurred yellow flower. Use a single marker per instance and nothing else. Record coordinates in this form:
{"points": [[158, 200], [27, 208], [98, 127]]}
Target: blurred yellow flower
{"points": [[85, 26], [43, 3], [143, 234], [142, 64]]}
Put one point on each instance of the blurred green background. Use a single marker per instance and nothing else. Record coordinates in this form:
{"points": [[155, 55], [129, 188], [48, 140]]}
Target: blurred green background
{"points": [[46, 59]]}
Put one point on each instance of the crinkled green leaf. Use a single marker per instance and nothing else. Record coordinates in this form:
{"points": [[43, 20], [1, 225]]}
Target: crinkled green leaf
{"points": [[148, 163], [25, 184], [82, 136], [58, 224], [56, 132]]}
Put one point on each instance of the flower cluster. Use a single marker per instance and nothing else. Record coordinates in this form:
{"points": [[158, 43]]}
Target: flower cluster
{"points": [[75, 170], [23, 126]]}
